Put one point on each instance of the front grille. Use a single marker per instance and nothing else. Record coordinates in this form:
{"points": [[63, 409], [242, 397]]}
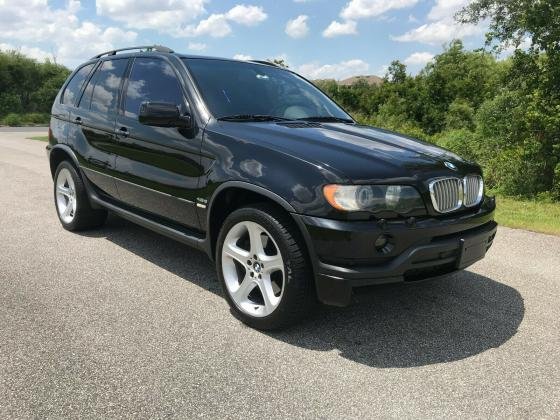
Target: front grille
{"points": [[447, 194], [450, 194], [473, 188]]}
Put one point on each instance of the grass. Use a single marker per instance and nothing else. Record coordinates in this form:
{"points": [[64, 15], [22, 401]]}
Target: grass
{"points": [[536, 216], [39, 138]]}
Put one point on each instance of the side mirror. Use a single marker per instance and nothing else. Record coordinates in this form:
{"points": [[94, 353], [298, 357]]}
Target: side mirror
{"points": [[163, 114]]}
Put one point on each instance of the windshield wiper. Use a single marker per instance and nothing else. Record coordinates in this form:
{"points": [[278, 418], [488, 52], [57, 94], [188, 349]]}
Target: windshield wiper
{"points": [[326, 118], [252, 117]]}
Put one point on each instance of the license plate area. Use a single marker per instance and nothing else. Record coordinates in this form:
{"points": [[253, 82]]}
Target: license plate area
{"points": [[472, 249]]}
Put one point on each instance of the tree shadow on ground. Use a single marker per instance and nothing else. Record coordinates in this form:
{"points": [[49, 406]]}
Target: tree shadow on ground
{"points": [[400, 325]]}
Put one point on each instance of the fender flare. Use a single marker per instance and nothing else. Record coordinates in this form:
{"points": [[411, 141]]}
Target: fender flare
{"points": [[245, 186], [250, 187], [65, 148]]}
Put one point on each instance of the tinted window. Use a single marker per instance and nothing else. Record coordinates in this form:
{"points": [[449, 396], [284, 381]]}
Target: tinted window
{"points": [[74, 87], [151, 80], [233, 88], [103, 87]]}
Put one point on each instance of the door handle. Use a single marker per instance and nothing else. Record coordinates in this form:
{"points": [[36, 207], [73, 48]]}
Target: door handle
{"points": [[100, 163], [78, 120], [123, 132]]}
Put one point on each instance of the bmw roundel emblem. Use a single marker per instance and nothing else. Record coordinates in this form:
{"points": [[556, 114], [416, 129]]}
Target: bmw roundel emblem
{"points": [[450, 165]]}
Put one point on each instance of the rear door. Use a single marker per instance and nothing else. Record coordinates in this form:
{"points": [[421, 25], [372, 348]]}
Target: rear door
{"points": [[158, 168], [93, 128], [62, 108]]}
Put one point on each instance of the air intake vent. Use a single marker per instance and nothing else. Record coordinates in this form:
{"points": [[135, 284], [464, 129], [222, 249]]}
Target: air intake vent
{"points": [[300, 124]]}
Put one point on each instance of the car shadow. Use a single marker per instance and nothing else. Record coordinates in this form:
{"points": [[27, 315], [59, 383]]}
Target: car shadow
{"points": [[390, 326]]}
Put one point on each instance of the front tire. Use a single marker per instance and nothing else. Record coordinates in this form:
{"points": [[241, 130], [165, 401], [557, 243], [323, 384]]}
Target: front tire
{"points": [[71, 200], [263, 268]]}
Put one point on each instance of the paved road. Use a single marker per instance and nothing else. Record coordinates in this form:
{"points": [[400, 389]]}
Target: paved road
{"points": [[121, 322], [24, 130]]}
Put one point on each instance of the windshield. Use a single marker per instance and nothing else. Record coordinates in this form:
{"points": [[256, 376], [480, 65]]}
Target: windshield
{"points": [[243, 89]]}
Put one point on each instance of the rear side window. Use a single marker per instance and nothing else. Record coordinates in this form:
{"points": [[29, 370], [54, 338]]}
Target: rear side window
{"points": [[151, 80], [102, 92], [74, 87]]}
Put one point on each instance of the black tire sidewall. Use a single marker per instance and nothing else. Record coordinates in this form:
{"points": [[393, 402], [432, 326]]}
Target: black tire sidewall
{"points": [[296, 281], [84, 217]]}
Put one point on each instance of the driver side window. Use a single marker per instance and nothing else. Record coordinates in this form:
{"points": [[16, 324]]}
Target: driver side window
{"points": [[151, 80]]}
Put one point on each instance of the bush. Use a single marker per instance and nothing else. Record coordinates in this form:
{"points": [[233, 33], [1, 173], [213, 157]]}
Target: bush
{"points": [[35, 118], [463, 142], [9, 103], [12, 120]]}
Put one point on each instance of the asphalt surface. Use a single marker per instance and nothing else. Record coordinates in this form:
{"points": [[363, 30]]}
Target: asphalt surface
{"points": [[121, 322]]}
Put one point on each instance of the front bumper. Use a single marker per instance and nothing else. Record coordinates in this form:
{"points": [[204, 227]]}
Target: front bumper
{"points": [[344, 255]]}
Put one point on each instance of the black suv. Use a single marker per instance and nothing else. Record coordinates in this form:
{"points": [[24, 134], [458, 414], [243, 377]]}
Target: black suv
{"points": [[255, 166]]}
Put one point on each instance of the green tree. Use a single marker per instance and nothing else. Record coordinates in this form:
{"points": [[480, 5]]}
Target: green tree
{"points": [[535, 73], [396, 73]]}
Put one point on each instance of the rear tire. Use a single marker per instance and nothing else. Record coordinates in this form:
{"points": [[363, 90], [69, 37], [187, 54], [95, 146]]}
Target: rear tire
{"points": [[263, 268], [71, 200]]}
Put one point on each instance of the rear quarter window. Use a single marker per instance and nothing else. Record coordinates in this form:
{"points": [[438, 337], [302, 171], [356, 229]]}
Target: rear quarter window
{"points": [[74, 87], [102, 92]]}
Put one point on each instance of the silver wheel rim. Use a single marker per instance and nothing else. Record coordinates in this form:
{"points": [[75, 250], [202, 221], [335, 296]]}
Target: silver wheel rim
{"points": [[253, 269], [65, 196]]}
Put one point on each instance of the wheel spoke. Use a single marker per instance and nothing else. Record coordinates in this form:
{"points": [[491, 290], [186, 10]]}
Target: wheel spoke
{"points": [[69, 207], [242, 292], [237, 253], [272, 263], [270, 301], [64, 191], [255, 238]]}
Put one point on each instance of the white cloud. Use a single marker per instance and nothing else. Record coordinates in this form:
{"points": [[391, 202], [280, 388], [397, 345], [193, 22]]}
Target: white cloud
{"points": [[246, 15], [439, 32], [297, 28], [444, 9], [337, 29], [360, 9], [216, 26], [441, 26], [242, 57], [162, 15], [509, 49], [70, 40], [418, 58], [197, 46], [337, 71]]}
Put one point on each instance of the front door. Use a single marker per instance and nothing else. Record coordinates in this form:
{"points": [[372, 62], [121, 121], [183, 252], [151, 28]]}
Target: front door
{"points": [[158, 168]]}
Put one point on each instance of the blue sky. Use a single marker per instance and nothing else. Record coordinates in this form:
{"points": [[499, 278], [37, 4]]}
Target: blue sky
{"points": [[319, 38]]}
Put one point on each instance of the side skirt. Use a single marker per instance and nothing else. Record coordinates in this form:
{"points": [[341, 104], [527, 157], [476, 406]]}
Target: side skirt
{"points": [[178, 235]]}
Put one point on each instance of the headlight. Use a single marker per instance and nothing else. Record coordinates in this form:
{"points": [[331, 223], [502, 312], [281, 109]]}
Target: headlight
{"points": [[374, 198]]}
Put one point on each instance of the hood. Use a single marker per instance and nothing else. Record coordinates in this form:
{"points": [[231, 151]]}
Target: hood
{"points": [[358, 153]]}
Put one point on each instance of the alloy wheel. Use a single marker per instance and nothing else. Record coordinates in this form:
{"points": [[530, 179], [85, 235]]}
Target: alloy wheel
{"points": [[65, 196], [253, 269]]}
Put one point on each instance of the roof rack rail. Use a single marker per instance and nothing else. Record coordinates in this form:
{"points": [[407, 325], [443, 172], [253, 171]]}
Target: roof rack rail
{"points": [[268, 63], [158, 48]]}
